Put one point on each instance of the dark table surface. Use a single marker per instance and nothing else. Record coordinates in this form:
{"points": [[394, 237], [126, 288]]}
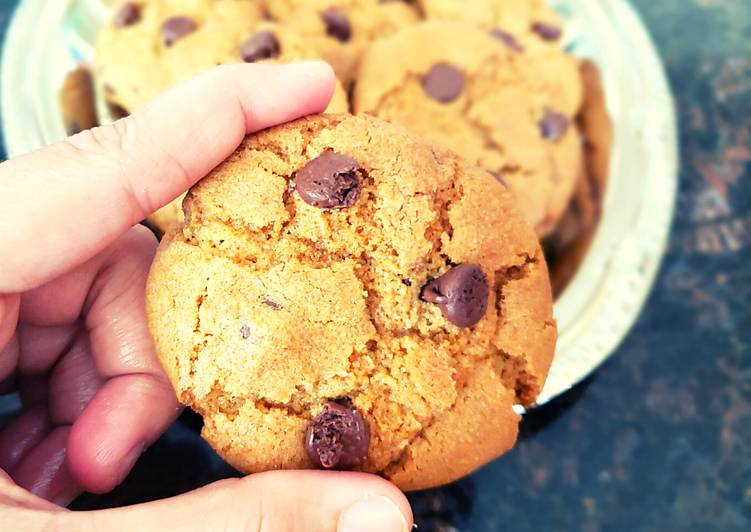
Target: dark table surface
{"points": [[659, 439]]}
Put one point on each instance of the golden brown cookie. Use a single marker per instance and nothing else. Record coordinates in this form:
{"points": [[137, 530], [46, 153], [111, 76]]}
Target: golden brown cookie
{"points": [[340, 30], [526, 26], [473, 94], [151, 45], [345, 295]]}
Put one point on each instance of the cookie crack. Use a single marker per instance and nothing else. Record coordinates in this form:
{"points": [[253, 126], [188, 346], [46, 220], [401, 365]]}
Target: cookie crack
{"points": [[513, 376]]}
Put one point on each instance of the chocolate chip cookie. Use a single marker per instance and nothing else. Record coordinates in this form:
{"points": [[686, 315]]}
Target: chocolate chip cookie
{"points": [[340, 30], [344, 295], [474, 94], [153, 44], [525, 26]]}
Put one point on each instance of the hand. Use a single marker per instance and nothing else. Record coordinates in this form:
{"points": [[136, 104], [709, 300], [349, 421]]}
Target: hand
{"points": [[73, 335]]}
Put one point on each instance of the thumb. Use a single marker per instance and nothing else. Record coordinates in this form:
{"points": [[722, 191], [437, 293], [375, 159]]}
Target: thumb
{"points": [[281, 500]]}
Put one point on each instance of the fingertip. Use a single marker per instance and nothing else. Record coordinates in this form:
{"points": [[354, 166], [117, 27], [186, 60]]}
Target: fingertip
{"points": [[344, 498], [272, 94], [126, 415], [317, 71]]}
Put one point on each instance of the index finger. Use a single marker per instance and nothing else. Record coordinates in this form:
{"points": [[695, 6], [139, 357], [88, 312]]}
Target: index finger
{"points": [[65, 203]]}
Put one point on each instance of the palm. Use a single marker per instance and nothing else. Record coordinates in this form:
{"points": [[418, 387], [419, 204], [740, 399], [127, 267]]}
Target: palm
{"points": [[82, 361]]}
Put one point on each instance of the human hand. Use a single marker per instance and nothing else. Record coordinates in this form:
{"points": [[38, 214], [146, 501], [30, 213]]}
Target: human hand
{"points": [[73, 334]]}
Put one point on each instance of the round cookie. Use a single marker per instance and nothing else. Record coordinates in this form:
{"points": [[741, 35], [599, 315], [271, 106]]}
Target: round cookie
{"points": [[529, 26], [475, 95], [135, 62], [345, 295], [340, 30]]}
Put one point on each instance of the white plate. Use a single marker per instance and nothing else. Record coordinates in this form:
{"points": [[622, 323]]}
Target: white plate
{"points": [[604, 299]]}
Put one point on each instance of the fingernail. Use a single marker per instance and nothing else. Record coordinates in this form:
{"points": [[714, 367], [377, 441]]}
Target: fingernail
{"points": [[373, 515], [129, 461]]}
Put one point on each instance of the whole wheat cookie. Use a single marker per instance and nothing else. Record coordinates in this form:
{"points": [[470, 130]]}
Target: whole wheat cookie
{"points": [[343, 295], [474, 94], [151, 45], [340, 30]]}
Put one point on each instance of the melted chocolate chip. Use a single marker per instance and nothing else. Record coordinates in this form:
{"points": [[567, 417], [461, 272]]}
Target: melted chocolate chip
{"points": [[547, 32], [461, 293], [128, 15], [553, 125], [176, 28], [330, 181], [338, 437], [507, 39], [406, 282], [337, 25], [443, 83]]}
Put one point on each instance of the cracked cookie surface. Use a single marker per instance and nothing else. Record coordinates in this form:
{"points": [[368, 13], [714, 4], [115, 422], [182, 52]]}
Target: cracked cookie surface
{"points": [[134, 63], [264, 307], [486, 101]]}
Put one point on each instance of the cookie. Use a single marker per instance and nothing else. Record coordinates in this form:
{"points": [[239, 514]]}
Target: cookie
{"points": [[77, 102], [340, 30], [527, 26], [151, 45], [344, 295], [567, 246], [472, 93]]}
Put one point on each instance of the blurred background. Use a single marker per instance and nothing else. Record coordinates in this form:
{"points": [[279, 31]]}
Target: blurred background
{"points": [[659, 438]]}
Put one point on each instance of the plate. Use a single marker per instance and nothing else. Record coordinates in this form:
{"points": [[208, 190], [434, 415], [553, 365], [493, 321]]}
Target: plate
{"points": [[604, 299]]}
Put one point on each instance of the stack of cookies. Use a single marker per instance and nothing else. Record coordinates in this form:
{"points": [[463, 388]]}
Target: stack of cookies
{"points": [[363, 291]]}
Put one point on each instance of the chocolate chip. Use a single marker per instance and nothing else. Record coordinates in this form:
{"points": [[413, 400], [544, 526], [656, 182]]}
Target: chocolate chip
{"points": [[330, 181], [262, 45], [338, 437], [553, 125], [128, 15], [245, 332], [547, 32], [117, 111], [337, 25], [406, 282], [507, 39], [443, 83], [461, 293], [176, 28]]}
